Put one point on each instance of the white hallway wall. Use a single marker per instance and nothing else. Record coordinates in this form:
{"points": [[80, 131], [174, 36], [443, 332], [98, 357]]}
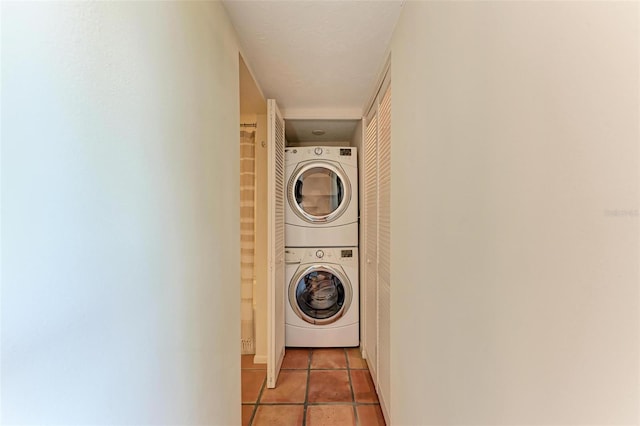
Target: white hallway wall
{"points": [[120, 233], [515, 288]]}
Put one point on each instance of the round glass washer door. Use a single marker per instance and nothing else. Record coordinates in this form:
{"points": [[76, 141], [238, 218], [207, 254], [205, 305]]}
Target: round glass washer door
{"points": [[320, 294], [318, 192]]}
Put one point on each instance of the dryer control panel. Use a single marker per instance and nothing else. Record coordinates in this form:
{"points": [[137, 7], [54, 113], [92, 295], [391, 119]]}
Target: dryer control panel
{"points": [[346, 254], [344, 155], [340, 255]]}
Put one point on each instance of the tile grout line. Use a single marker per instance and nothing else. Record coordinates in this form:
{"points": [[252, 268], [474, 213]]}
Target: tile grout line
{"points": [[255, 407], [253, 413], [353, 394], [306, 391]]}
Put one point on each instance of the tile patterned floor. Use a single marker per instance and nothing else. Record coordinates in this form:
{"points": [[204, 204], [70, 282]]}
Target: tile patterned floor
{"points": [[316, 387]]}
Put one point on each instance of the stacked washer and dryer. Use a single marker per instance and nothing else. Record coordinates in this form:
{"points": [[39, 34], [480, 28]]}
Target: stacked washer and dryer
{"points": [[321, 247]]}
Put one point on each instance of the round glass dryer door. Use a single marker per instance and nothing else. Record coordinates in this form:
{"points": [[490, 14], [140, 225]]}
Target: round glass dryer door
{"points": [[319, 193], [320, 294]]}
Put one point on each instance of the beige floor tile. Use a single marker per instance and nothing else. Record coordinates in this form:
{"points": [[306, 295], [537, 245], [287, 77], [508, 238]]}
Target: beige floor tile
{"points": [[279, 415], [370, 415], [252, 381], [330, 415], [363, 388], [291, 387], [329, 386], [296, 358], [328, 358], [355, 359], [247, 411]]}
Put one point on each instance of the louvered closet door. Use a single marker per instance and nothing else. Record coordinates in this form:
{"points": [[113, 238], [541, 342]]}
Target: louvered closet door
{"points": [[384, 246], [275, 283], [370, 257]]}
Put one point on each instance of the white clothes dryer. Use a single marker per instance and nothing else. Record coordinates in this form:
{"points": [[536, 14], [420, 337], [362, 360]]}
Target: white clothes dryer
{"points": [[322, 197], [322, 307]]}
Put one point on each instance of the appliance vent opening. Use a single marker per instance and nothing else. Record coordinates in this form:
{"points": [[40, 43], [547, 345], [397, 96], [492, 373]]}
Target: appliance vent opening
{"points": [[247, 346]]}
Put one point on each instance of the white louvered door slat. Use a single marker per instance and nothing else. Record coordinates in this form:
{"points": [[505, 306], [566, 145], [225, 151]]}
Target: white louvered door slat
{"points": [[275, 284], [384, 246], [376, 282], [371, 242]]}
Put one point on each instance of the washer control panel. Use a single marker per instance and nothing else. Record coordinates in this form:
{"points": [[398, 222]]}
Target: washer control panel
{"points": [[319, 254]]}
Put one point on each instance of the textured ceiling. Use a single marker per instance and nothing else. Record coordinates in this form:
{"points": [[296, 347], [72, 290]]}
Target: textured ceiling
{"points": [[316, 58], [335, 130]]}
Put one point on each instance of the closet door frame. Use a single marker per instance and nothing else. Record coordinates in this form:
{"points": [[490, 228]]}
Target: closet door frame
{"points": [[275, 236], [383, 281], [370, 278], [368, 260]]}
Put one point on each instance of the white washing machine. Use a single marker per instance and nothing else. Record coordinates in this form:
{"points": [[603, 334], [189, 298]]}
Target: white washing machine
{"points": [[322, 308], [322, 197]]}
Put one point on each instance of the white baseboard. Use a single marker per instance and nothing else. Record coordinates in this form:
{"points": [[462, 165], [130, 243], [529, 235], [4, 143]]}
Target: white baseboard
{"points": [[260, 359], [363, 352]]}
